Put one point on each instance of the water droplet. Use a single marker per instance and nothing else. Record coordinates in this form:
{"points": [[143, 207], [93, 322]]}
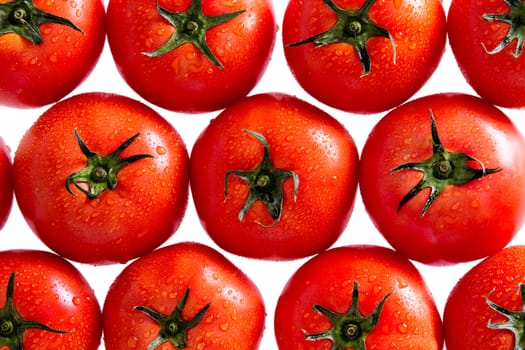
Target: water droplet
{"points": [[224, 326], [402, 283], [132, 342], [76, 301], [403, 328], [140, 172], [53, 58], [161, 150]]}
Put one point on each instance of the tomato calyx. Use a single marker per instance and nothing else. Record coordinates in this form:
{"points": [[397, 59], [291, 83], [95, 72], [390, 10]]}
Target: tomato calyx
{"points": [[442, 170], [22, 17], [349, 330], [354, 27], [101, 173], [515, 319], [265, 183], [173, 328], [191, 26], [516, 20], [13, 325]]}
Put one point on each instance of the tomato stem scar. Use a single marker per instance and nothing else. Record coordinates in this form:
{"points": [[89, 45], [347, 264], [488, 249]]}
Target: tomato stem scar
{"points": [[265, 183], [349, 330], [442, 170], [22, 17], [354, 27], [191, 26]]}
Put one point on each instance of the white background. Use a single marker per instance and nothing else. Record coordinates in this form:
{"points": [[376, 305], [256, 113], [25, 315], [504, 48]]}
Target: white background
{"points": [[270, 277]]}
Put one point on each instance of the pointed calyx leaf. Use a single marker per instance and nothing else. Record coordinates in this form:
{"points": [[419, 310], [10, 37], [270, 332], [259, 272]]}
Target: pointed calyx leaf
{"points": [[349, 330], [442, 170], [515, 18], [515, 319], [101, 172], [191, 26], [353, 27], [22, 17], [13, 325], [173, 328], [265, 183]]}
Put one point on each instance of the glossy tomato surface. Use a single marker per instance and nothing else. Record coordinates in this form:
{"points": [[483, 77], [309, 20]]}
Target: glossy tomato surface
{"points": [[232, 308], [402, 41], [183, 78], [102, 211], [29, 69], [291, 200], [50, 291], [6, 182], [439, 173], [486, 39], [485, 307], [350, 282]]}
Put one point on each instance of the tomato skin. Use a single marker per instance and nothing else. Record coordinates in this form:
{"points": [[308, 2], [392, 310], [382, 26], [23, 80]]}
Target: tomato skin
{"points": [[418, 29], [50, 290], [234, 320], [6, 181], [498, 78], [28, 72], [184, 79], [301, 138], [148, 203], [463, 223], [466, 312], [409, 319]]}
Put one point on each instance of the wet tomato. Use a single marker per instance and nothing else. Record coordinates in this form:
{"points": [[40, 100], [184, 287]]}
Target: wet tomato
{"points": [[101, 178], [274, 177], [185, 295], [357, 297]]}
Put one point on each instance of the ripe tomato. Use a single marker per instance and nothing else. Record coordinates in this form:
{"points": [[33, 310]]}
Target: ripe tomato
{"points": [[191, 55], [66, 170], [42, 40], [439, 173], [185, 294], [46, 304], [363, 56], [486, 39], [486, 307], [6, 183], [357, 297], [274, 177]]}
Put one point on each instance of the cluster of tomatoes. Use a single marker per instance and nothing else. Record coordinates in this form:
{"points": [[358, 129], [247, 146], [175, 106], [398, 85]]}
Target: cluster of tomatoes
{"points": [[103, 179]]}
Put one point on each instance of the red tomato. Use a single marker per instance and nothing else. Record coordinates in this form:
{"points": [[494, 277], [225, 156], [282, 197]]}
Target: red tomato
{"points": [[6, 183], [486, 307], [66, 170], [355, 297], [191, 55], [184, 295], [46, 304], [439, 173], [486, 39], [42, 40], [362, 56], [274, 177]]}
